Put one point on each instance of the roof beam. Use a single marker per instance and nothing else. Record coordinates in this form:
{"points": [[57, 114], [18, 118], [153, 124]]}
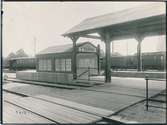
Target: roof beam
{"points": [[149, 31], [91, 36]]}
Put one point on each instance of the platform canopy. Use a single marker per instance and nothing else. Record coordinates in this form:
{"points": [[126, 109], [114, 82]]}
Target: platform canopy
{"points": [[148, 19], [139, 22]]}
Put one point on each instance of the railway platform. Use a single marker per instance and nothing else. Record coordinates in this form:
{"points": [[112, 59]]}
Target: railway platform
{"points": [[123, 97]]}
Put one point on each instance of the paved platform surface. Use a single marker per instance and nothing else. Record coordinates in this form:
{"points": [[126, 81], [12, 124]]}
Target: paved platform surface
{"points": [[118, 94], [92, 98], [121, 92]]}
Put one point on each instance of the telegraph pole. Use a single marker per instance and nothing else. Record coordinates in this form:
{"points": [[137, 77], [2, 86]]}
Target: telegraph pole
{"points": [[126, 55], [112, 47], [127, 48], [34, 46]]}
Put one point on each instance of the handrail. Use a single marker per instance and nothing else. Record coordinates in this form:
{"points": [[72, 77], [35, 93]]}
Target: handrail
{"points": [[83, 73], [156, 79], [88, 70], [147, 98]]}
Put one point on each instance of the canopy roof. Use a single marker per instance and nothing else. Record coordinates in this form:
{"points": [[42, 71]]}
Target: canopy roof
{"points": [[151, 15]]}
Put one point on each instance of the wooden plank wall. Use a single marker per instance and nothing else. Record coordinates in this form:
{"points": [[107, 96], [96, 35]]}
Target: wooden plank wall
{"points": [[45, 76]]}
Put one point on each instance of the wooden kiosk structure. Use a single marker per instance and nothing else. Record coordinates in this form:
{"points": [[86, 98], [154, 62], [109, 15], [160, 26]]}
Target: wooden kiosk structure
{"points": [[58, 59], [54, 64]]}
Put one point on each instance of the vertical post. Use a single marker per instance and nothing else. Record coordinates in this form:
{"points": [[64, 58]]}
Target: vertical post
{"points": [[53, 64], [126, 56], [113, 47], [108, 58], [88, 73], [164, 61], [146, 77], [105, 36], [139, 55], [34, 46], [74, 61], [74, 55], [98, 59], [37, 64]]}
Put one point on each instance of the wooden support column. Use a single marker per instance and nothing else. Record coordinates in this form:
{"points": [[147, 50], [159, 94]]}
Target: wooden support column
{"points": [[74, 56], [139, 54], [139, 57], [98, 58], [108, 60], [105, 35]]}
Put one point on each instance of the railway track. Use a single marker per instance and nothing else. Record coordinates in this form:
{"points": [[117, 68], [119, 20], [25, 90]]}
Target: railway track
{"points": [[55, 122], [103, 118], [42, 111]]}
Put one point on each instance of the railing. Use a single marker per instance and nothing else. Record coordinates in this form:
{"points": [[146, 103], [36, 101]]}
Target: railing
{"points": [[87, 70], [147, 98], [83, 73]]}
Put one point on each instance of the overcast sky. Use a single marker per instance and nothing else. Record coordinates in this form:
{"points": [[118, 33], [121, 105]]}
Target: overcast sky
{"points": [[25, 22]]}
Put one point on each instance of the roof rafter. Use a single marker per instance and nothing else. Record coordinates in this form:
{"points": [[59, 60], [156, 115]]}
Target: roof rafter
{"points": [[91, 36]]}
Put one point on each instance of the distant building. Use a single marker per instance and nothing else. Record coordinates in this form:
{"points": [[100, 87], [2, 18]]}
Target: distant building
{"points": [[12, 56]]}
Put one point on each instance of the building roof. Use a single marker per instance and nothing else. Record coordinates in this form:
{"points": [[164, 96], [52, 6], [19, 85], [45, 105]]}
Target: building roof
{"points": [[61, 48], [120, 17]]}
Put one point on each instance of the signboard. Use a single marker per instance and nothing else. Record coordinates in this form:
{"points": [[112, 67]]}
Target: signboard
{"points": [[87, 48]]}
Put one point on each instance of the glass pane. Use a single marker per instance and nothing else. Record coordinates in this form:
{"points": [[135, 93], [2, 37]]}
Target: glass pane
{"points": [[68, 64], [49, 64], [57, 64], [62, 64], [45, 65]]}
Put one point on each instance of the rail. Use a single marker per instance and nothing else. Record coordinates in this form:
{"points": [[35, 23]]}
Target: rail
{"points": [[83, 73], [147, 98], [90, 71]]}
